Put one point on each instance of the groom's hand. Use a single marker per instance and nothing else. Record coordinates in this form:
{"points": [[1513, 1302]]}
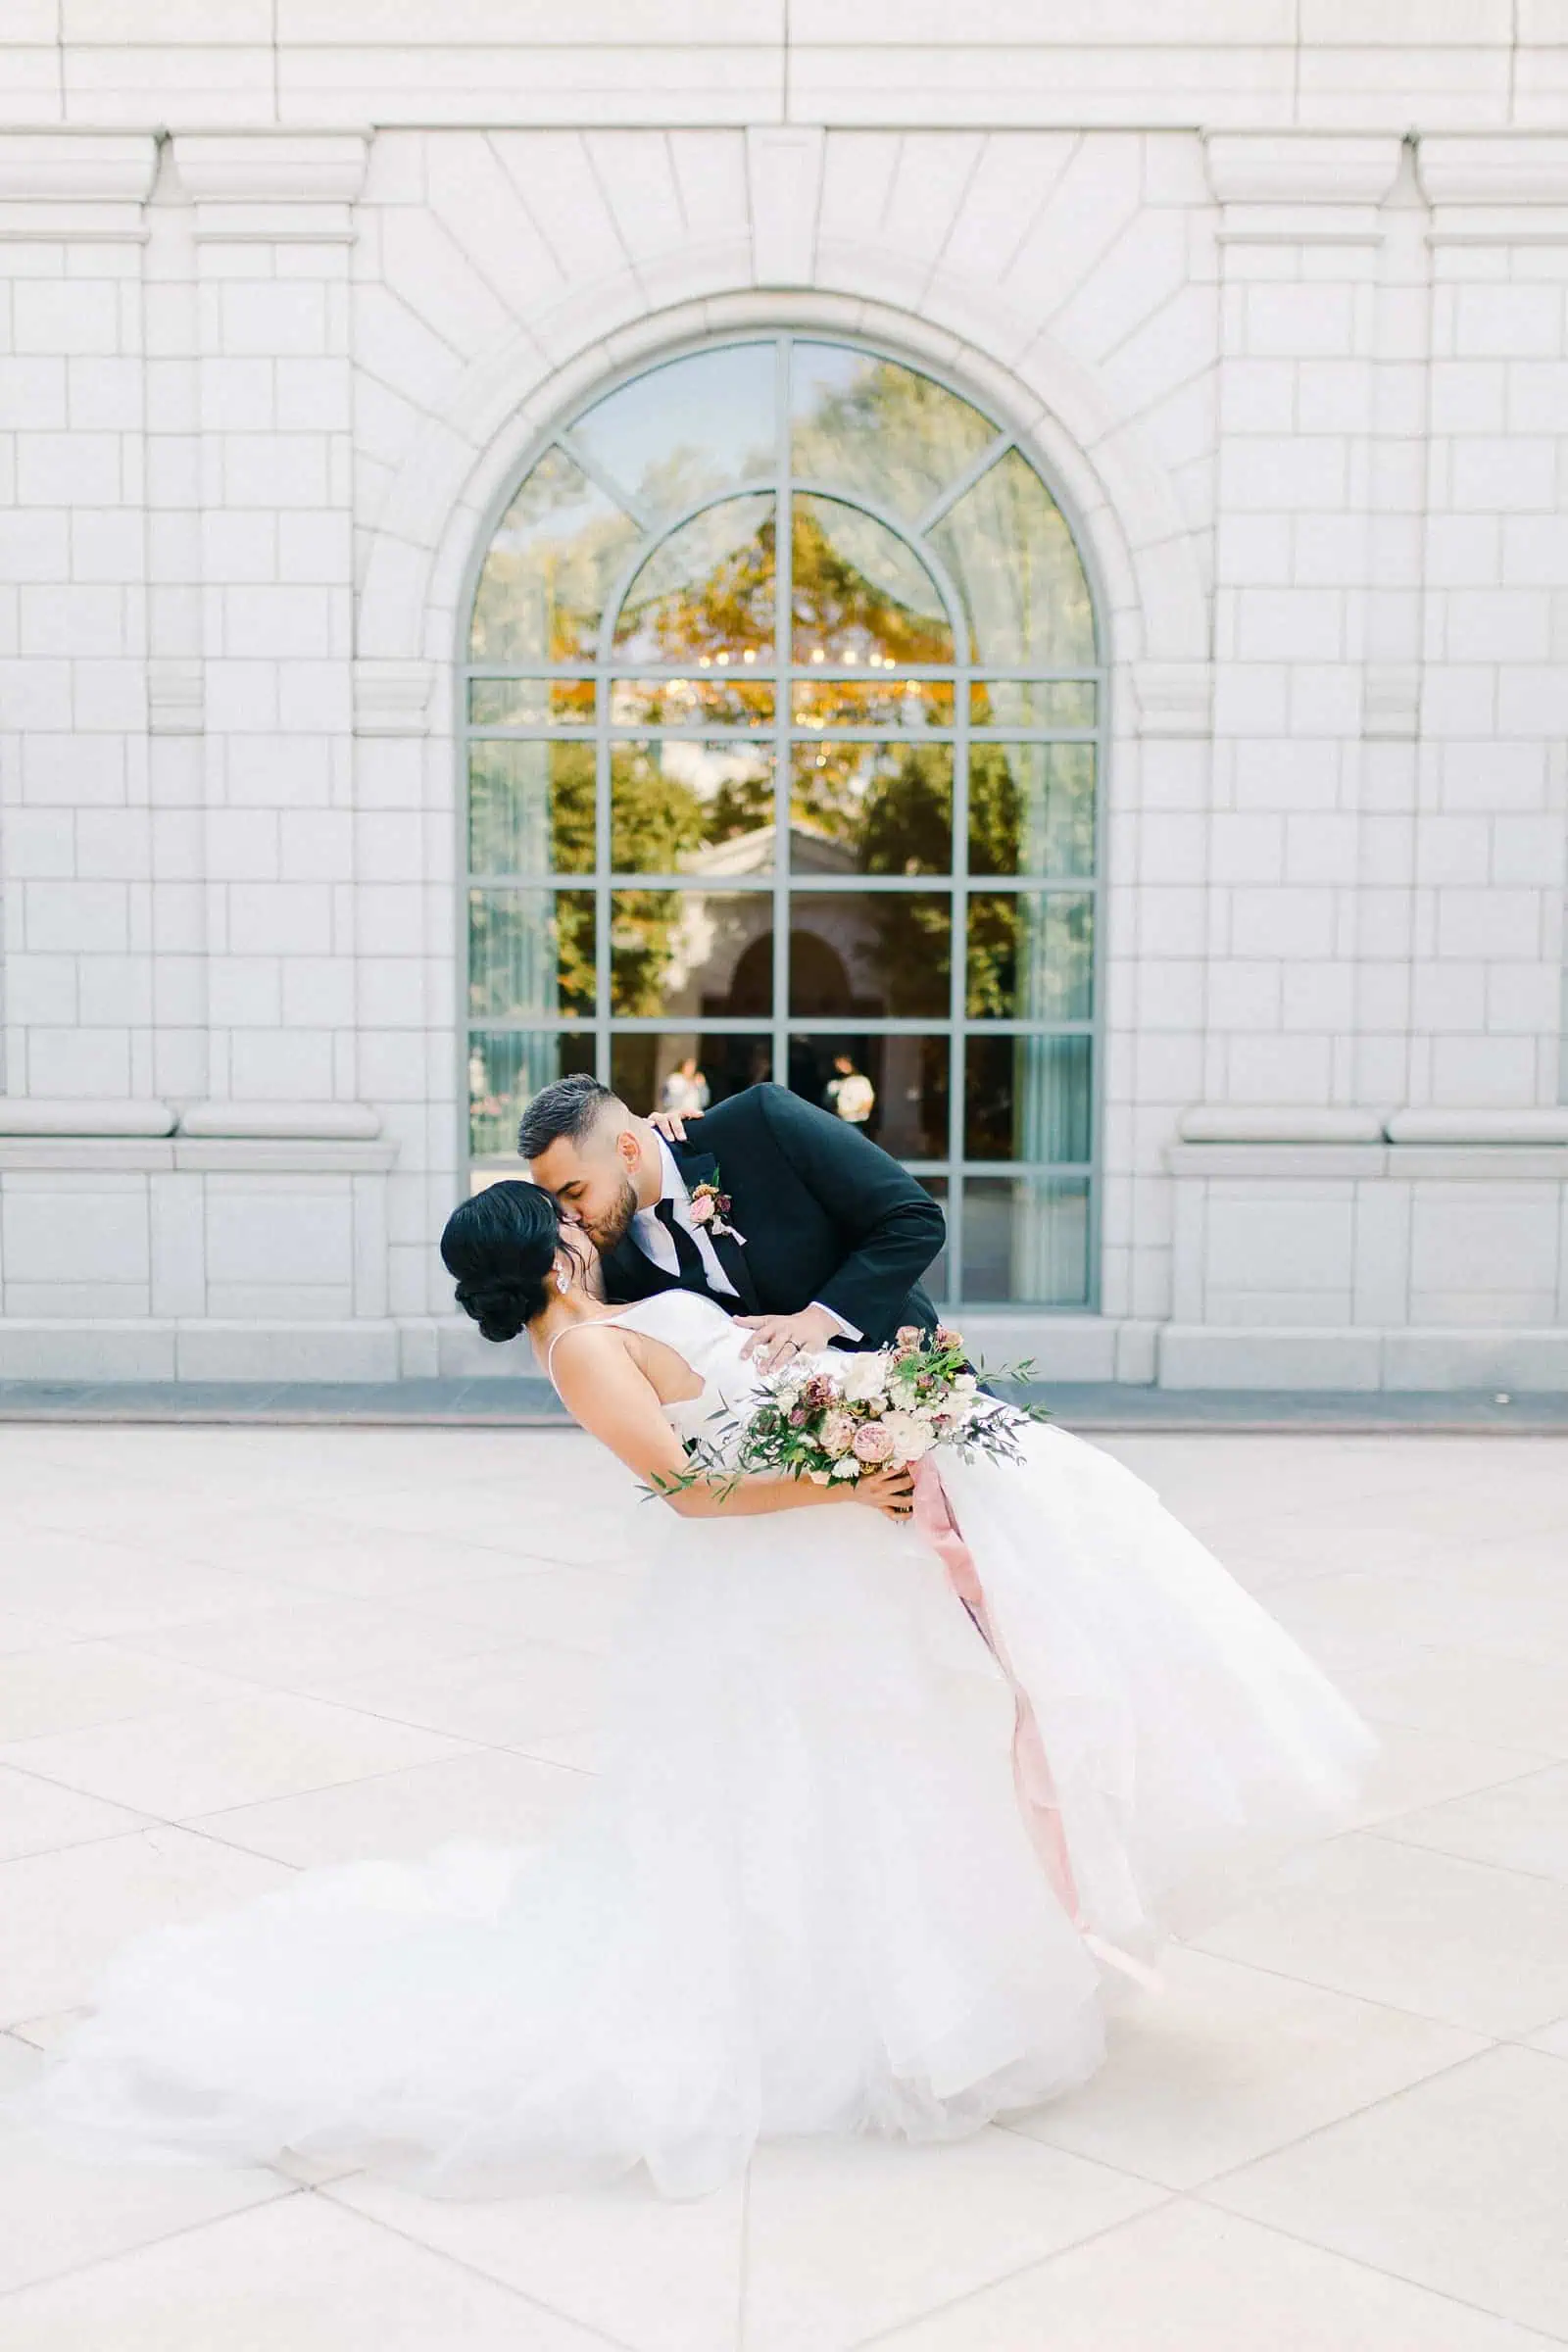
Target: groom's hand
{"points": [[777, 1338], [671, 1124]]}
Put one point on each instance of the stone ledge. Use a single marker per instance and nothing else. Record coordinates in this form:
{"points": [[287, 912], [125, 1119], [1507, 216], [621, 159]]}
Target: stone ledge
{"points": [[1271, 1123], [296, 1122], [1547, 1125], [35, 1114], [129, 1154]]}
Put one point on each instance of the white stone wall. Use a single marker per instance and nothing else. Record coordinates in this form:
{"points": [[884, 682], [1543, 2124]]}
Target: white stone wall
{"points": [[1298, 373]]}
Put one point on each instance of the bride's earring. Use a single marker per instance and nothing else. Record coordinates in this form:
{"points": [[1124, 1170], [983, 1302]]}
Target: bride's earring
{"points": [[563, 1284]]}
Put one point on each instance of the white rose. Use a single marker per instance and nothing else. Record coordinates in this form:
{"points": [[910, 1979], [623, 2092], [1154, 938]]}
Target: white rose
{"points": [[911, 1437], [848, 1468], [965, 1385], [865, 1379]]}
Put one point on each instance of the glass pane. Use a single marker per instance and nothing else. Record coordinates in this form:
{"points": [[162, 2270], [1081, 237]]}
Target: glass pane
{"points": [[683, 807], [1026, 1241], [870, 809], [650, 1071], [1027, 1098], [882, 956], [687, 429], [689, 703], [551, 565], [1012, 554], [870, 426], [1032, 809], [693, 952], [531, 808], [507, 1068], [530, 952], [858, 590], [894, 1088], [708, 590], [531, 702], [1032, 703], [912, 703], [1031, 955]]}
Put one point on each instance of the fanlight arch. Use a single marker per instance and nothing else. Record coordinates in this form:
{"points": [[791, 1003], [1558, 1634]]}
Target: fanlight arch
{"points": [[782, 662]]}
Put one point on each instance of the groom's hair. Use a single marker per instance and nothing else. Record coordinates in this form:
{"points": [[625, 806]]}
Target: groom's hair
{"points": [[567, 1107]]}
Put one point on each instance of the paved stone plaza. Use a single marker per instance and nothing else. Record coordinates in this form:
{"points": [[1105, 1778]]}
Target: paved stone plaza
{"points": [[228, 1654]]}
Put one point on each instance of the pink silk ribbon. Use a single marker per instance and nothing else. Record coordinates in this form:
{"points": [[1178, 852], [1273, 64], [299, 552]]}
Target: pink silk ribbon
{"points": [[1032, 1775]]}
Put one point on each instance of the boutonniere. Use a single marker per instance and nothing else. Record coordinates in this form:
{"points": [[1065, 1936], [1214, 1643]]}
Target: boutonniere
{"points": [[711, 1207]]}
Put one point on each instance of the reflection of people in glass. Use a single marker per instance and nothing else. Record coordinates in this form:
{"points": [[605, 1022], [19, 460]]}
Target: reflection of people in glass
{"points": [[849, 1092], [685, 1091]]}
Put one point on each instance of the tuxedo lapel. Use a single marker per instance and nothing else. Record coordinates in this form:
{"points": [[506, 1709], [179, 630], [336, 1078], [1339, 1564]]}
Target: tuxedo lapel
{"points": [[731, 1255], [630, 1276], [702, 1167]]}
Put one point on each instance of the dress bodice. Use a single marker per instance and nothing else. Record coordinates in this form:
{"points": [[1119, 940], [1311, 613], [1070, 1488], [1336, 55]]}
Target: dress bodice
{"points": [[707, 1340]]}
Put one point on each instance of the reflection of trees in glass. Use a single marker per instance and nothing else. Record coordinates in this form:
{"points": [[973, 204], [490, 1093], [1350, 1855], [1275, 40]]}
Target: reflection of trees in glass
{"points": [[866, 423], [859, 594], [549, 568], [706, 591], [531, 808], [1008, 547], [1031, 957]]}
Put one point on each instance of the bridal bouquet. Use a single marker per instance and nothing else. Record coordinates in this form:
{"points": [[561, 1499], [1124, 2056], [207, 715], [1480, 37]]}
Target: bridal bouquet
{"points": [[880, 1410]]}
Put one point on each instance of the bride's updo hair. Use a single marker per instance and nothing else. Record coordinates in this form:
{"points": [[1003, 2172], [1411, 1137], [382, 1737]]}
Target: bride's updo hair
{"points": [[500, 1248]]}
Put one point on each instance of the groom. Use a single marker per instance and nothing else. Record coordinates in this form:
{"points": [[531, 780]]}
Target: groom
{"points": [[820, 1239]]}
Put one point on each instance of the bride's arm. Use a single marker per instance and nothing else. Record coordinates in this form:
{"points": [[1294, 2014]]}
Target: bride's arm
{"points": [[609, 1396]]}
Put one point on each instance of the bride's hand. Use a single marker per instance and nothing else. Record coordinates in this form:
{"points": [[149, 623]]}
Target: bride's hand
{"points": [[890, 1491]]}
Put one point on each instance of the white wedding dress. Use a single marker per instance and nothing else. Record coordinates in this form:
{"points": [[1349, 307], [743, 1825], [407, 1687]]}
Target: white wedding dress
{"points": [[802, 1897]]}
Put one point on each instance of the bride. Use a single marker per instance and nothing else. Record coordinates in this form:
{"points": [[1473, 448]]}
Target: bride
{"points": [[807, 1893]]}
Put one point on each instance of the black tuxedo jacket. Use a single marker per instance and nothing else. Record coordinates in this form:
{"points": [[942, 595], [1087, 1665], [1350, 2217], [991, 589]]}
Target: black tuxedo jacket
{"points": [[827, 1216]]}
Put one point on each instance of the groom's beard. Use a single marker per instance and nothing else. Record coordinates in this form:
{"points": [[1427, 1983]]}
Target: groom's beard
{"points": [[609, 1231]]}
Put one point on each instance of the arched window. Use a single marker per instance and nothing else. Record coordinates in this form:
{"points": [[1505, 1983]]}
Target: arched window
{"points": [[781, 729]]}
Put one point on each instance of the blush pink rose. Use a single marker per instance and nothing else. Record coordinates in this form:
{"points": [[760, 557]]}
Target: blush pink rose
{"points": [[837, 1434], [872, 1444], [701, 1208]]}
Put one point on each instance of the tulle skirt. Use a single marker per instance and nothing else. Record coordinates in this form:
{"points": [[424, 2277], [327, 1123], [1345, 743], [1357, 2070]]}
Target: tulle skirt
{"points": [[802, 1897]]}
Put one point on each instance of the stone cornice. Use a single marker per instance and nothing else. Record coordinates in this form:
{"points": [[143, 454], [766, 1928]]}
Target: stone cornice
{"points": [[1174, 698], [1488, 188], [71, 184], [392, 697], [1493, 167], [1301, 188], [273, 186]]}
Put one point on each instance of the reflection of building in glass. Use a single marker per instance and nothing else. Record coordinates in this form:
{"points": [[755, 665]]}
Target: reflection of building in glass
{"points": [[783, 753]]}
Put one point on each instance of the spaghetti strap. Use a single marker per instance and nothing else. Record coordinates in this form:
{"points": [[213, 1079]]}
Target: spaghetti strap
{"points": [[598, 1324]]}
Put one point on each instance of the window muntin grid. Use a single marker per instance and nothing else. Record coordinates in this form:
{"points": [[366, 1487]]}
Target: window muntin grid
{"points": [[818, 708]]}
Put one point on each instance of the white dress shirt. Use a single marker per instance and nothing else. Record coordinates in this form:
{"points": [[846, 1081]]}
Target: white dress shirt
{"points": [[657, 1243], [655, 1239]]}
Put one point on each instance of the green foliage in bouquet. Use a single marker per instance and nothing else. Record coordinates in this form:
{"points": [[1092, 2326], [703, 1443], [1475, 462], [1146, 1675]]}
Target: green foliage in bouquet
{"points": [[840, 1420]]}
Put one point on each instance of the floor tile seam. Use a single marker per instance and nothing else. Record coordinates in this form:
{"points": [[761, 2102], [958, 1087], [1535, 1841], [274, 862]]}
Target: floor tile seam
{"points": [[1533, 1771], [1389, 1834], [249, 1683], [1532, 1759], [212, 2220], [198, 1824], [1410, 1845], [470, 2269], [1347, 2115], [1040, 2262], [190, 1823], [1368, 2000], [243, 1685], [212, 1708], [1381, 2270], [1352, 2115]]}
